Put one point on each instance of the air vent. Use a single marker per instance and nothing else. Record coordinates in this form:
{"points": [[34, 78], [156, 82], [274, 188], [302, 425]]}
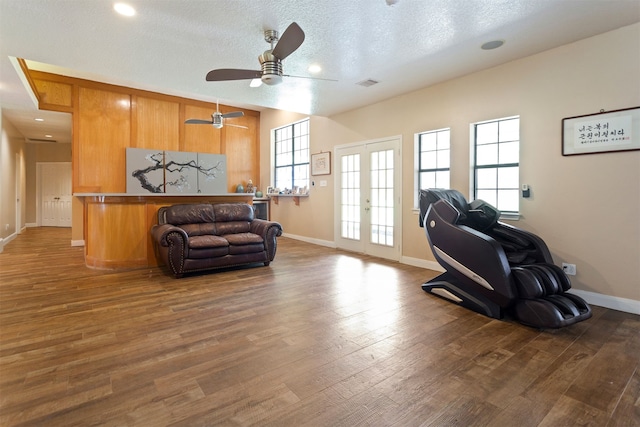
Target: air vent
{"points": [[368, 82], [40, 141]]}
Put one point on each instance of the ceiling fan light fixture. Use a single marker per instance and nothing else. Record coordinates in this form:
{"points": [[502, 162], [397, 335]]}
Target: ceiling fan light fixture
{"points": [[216, 120], [271, 79]]}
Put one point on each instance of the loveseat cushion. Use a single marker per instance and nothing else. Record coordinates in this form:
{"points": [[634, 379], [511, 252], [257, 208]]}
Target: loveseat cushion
{"points": [[240, 239], [208, 241], [190, 214], [200, 229], [224, 212]]}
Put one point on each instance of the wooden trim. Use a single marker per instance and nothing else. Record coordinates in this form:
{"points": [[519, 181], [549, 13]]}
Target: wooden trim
{"points": [[132, 91], [28, 76]]}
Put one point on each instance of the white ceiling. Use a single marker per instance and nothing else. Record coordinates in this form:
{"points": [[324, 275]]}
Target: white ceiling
{"points": [[170, 45]]}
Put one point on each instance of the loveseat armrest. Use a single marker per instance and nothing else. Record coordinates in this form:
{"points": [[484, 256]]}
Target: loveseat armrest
{"points": [[160, 234], [269, 230], [171, 246], [263, 227]]}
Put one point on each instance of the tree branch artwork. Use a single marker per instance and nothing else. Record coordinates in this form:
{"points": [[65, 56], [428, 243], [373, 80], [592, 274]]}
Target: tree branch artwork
{"points": [[182, 168]]}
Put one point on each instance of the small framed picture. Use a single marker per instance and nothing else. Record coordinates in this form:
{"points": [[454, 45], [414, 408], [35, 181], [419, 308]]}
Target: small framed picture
{"points": [[321, 164]]}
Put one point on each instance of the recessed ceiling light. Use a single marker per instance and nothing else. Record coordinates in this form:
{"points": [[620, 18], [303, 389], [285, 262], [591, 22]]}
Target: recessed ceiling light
{"points": [[494, 44], [314, 68], [124, 9], [48, 136], [38, 119]]}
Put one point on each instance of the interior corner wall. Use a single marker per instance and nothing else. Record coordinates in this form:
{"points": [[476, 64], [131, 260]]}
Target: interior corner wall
{"points": [[11, 146], [585, 207]]}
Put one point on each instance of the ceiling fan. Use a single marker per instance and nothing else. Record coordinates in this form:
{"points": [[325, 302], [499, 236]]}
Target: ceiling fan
{"points": [[270, 61], [217, 119]]}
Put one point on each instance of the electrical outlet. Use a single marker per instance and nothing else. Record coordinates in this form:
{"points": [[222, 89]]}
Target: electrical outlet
{"points": [[569, 269], [6, 227]]}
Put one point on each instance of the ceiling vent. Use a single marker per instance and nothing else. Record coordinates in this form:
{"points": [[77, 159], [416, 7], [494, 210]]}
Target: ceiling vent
{"points": [[41, 141], [368, 82]]}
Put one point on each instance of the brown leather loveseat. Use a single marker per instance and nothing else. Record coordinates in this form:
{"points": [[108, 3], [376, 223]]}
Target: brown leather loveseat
{"points": [[197, 237]]}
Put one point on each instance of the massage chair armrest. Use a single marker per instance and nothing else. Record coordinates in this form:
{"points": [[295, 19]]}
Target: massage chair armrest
{"points": [[263, 227], [162, 233], [542, 253]]}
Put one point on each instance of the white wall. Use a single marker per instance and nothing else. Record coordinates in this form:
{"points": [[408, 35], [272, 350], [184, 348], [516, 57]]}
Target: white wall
{"points": [[587, 208], [11, 147]]}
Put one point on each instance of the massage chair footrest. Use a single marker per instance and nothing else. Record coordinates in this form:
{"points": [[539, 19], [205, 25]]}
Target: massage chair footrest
{"points": [[551, 312]]}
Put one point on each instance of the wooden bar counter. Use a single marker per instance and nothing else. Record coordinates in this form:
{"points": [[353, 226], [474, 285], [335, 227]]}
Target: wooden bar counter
{"points": [[117, 226]]}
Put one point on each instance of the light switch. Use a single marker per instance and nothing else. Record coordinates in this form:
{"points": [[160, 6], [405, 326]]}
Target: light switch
{"points": [[323, 183]]}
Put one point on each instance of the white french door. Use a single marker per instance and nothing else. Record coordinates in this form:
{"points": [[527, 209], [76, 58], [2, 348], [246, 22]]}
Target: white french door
{"points": [[54, 185], [368, 210]]}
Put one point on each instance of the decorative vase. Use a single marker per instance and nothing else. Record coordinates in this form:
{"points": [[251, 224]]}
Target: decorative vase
{"points": [[240, 188], [258, 194]]}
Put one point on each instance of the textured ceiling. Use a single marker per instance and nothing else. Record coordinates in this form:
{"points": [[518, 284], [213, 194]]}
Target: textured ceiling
{"points": [[170, 45]]}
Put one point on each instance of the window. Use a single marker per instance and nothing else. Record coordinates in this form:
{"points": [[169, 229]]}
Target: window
{"points": [[497, 163], [434, 159], [292, 155]]}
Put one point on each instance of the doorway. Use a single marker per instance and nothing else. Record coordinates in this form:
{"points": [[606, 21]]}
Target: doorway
{"points": [[54, 194], [368, 208]]}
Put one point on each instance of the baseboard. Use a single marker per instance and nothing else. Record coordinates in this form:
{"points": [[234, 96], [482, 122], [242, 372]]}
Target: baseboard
{"points": [[422, 263], [77, 243], [31, 224], [615, 303], [6, 240], [319, 242]]}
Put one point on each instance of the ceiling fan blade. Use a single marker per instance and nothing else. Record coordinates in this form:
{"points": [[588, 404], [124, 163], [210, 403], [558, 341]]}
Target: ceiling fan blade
{"points": [[232, 74], [290, 40], [233, 114], [236, 126], [309, 77], [198, 122]]}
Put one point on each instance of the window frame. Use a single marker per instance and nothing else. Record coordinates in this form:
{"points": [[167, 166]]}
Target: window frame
{"points": [[418, 161], [293, 164], [475, 167]]}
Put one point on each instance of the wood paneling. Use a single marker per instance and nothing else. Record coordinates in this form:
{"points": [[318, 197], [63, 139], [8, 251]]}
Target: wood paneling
{"points": [[240, 146], [108, 118], [320, 337], [116, 235], [200, 138], [104, 125], [54, 93], [157, 124]]}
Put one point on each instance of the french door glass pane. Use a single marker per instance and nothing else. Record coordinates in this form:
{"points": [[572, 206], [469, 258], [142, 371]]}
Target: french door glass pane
{"points": [[382, 197], [350, 182]]}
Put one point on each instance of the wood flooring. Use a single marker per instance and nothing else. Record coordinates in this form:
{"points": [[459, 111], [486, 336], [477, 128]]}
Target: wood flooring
{"points": [[321, 337]]}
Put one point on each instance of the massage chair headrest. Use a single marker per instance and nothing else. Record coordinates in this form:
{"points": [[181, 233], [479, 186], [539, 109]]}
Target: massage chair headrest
{"points": [[432, 195]]}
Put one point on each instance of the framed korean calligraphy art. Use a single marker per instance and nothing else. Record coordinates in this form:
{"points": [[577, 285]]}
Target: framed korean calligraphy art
{"points": [[321, 164], [603, 132]]}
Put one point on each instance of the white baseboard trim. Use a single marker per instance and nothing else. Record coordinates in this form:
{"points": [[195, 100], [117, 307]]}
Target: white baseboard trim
{"points": [[31, 224], [77, 243], [327, 243], [423, 263], [6, 240], [615, 303]]}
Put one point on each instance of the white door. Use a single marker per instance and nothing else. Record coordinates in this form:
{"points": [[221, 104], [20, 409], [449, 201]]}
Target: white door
{"points": [[55, 194], [368, 210]]}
